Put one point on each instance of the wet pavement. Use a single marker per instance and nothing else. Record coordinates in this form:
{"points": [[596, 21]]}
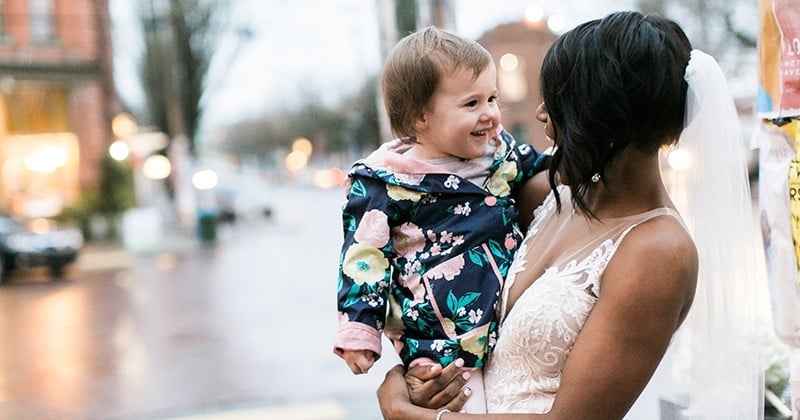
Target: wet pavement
{"points": [[238, 330], [241, 329]]}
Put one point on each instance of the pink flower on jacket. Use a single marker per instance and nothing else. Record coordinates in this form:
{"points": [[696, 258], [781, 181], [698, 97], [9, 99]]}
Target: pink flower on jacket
{"points": [[373, 230], [408, 240], [414, 283], [343, 319], [447, 270]]}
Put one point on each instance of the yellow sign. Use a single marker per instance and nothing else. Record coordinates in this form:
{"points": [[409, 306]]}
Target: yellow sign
{"points": [[793, 131]]}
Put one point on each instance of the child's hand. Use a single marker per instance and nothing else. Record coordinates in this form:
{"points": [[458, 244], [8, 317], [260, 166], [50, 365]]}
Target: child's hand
{"points": [[359, 361], [431, 386]]}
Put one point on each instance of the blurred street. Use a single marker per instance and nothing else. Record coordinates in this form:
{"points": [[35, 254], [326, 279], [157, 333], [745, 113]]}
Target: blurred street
{"points": [[242, 329]]}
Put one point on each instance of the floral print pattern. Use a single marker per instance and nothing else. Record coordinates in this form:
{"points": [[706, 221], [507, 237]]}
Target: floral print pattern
{"points": [[425, 254]]}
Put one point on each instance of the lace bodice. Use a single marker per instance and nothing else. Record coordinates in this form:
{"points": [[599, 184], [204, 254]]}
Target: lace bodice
{"points": [[537, 334]]}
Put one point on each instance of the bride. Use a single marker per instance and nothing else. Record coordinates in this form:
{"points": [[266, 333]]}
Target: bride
{"points": [[608, 270]]}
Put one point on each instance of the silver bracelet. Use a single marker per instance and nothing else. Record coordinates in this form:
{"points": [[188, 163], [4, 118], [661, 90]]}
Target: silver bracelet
{"points": [[441, 412]]}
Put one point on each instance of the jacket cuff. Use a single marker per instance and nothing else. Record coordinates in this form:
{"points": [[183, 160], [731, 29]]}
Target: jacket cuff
{"points": [[356, 336]]}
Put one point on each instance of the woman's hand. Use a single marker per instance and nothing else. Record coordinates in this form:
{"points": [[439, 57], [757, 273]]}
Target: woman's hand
{"points": [[395, 401], [402, 394], [393, 394], [432, 386]]}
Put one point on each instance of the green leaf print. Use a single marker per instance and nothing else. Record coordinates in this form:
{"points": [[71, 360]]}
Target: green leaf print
{"points": [[447, 359], [467, 299], [413, 346], [349, 222], [495, 248], [475, 257], [357, 189], [353, 296], [464, 324], [452, 302]]}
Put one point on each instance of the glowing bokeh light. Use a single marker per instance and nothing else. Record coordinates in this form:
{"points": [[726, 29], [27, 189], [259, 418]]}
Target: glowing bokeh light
{"points": [[328, 178], [119, 150], [156, 167], [295, 161], [556, 23], [205, 179], [534, 13], [302, 145], [509, 62]]}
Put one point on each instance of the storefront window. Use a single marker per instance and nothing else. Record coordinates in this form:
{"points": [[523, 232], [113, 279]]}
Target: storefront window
{"points": [[41, 21], [38, 155]]}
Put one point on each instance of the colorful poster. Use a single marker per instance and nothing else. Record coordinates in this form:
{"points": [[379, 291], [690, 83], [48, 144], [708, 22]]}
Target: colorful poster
{"points": [[779, 59]]}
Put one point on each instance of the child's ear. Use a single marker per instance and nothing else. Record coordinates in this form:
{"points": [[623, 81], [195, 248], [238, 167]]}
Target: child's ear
{"points": [[421, 122]]}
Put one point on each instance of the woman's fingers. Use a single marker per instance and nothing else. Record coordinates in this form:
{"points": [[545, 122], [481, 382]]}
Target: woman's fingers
{"points": [[424, 372], [457, 403], [451, 392], [431, 386]]}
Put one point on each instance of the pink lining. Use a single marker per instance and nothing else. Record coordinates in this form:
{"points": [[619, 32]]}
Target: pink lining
{"points": [[357, 336]]}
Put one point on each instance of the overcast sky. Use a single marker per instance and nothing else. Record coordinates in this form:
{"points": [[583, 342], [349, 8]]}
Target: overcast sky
{"points": [[311, 48]]}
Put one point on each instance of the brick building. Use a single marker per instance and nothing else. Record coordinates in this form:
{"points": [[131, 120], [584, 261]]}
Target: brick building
{"points": [[56, 101], [518, 49]]}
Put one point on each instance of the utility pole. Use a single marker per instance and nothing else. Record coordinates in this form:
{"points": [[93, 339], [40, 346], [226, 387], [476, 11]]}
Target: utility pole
{"points": [[387, 27], [111, 105], [439, 13]]}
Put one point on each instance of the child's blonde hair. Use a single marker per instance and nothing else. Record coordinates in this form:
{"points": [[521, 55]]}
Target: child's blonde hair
{"points": [[414, 68]]}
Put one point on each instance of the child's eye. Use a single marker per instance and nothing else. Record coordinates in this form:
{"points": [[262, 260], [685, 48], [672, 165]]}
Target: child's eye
{"points": [[472, 103], [493, 99]]}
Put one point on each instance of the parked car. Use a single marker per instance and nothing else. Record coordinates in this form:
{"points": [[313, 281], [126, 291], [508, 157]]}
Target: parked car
{"points": [[27, 244], [243, 199]]}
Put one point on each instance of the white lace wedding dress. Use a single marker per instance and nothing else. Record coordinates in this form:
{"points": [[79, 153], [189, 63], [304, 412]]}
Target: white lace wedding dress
{"points": [[537, 334]]}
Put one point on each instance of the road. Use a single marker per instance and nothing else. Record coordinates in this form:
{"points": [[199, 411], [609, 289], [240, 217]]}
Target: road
{"points": [[245, 324], [238, 330]]}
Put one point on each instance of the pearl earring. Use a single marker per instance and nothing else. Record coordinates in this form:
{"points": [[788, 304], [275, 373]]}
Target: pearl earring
{"points": [[596, 178]]}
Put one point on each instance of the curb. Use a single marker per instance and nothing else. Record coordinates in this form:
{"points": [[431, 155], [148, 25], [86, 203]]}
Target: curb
{"points": [[115, 256], [320, 410]]}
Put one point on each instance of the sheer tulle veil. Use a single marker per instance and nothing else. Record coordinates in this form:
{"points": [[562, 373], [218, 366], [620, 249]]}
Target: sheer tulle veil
{"points": [[712, 194]]}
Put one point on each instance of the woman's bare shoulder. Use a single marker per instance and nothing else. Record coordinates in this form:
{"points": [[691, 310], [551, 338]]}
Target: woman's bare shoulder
{"points": [[656, 264]]}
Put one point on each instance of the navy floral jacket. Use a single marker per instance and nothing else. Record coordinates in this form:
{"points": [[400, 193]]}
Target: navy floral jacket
{"points": [[425, 253]]}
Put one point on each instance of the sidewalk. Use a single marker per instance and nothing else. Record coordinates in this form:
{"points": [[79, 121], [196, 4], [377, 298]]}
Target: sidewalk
{"points": [[114, 255], [322, 410]]}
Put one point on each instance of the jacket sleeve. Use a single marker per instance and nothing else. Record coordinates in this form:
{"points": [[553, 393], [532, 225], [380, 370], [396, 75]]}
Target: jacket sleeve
{"points": [[529, 161], [365, 271]]}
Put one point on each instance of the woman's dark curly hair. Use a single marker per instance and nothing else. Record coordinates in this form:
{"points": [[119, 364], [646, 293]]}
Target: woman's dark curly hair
{"points": [[610, 84]]}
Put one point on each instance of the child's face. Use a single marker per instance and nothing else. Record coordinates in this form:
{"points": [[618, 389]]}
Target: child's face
{"points": [[463, 115]]}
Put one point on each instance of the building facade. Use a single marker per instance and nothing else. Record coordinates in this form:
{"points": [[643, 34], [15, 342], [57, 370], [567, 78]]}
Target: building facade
{"points": [[518, 49], [56, 102]]}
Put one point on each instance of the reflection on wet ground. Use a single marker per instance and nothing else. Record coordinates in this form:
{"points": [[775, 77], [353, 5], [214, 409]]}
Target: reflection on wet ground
{"points": [[241, 327]]}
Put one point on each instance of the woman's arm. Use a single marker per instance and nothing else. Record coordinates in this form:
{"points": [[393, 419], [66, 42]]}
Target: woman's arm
{"points": [[647, 290], [532, 194]]}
